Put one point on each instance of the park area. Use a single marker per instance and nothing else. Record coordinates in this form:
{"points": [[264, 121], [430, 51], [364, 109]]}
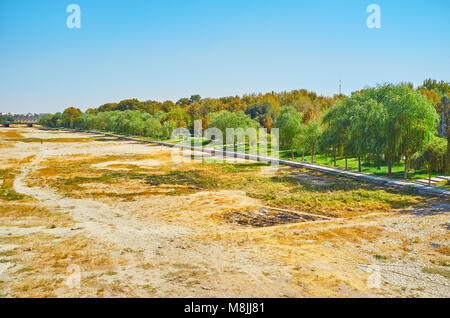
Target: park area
{"points": [[84, 215]]}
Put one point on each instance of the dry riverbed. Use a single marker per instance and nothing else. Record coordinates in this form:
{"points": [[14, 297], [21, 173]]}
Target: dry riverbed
{"points": [[87, 216]]}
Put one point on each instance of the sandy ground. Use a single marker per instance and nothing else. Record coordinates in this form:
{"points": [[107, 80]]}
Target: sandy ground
{"points": [[177, 246]]}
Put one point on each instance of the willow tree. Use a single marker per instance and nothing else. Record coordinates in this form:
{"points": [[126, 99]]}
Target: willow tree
{"points": [[152, 128], [235, 128], [226, 119], [445, 102], [312, 132], [366, 138], [329, 143], [430, 156], [289, 123], [410, 120], [336, 135], [419, 119]]}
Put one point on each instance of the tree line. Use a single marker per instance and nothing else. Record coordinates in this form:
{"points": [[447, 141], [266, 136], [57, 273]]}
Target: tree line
{"points": [[7, 118], [382, 125]]}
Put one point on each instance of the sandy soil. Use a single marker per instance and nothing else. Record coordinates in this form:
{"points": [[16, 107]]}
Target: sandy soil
{"points": [[180, 246]]}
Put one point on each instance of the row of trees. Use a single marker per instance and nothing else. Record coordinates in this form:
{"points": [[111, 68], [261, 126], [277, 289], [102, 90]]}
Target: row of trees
{"points": [[7, 118], [381, 125], [130, 122], [261, 107]]}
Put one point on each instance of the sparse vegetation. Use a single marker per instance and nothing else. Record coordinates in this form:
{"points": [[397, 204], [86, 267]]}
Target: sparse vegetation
{"points": [[437, 271], [111, 273], [8, 253], [190, 178], [7, 193]]}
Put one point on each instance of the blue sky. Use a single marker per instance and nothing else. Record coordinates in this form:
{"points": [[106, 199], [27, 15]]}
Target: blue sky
{"points": [[168, 49]]}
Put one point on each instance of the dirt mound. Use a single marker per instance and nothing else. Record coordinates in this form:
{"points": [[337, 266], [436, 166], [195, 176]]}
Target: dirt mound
{"points": [[268, 217]]}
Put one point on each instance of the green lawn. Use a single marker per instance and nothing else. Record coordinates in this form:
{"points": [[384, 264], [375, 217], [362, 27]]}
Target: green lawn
{"points": [[397, 169]]}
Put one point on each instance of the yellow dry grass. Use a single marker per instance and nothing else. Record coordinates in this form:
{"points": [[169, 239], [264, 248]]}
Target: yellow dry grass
{"points": [[10, 134], [44, 261], [27, 213], [53, 140]]}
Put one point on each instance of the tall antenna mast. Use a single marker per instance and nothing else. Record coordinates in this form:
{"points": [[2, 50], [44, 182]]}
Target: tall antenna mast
{"points": [[339, 87]]}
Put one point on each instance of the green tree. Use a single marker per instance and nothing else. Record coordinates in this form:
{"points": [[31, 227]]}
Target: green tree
{"points": [[446, 129], [130, 104], [195, 99], [366, 139], [259, 111], [107, 107], [312, 132], [430, 156], [168, 106], [167, 129], [411, 120], [226, 119], [289, 123], [394, 120], [336, 135], [183, 102], [152, 128], [179, 117], [46, 120], [329, 143]]}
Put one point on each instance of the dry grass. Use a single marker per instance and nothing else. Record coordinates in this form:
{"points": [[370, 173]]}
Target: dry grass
{"points": [[43, 262], [7, 193], [53, 140], [437, 271], [10, 134], [309, 254], [19, 210], [26, 213], [87, 159], [56, 256], [444, 250]]}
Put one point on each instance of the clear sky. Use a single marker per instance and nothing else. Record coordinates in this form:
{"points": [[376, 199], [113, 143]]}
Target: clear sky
{"points": [[168, 49]]}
